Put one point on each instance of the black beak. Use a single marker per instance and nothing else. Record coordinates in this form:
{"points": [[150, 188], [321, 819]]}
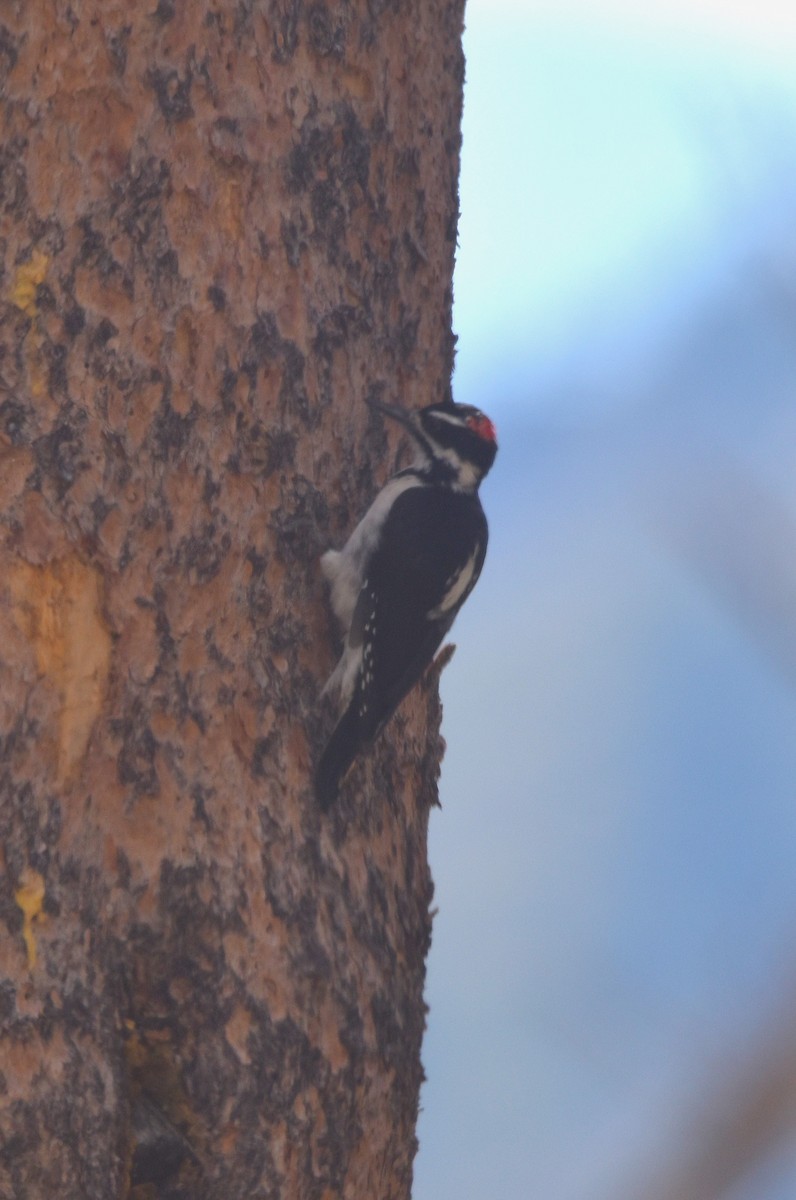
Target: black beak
{"points": [[402, 416]]}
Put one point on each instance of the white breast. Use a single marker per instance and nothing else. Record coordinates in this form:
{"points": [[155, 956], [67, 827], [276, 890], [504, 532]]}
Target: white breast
{"points": [[345, 569]]}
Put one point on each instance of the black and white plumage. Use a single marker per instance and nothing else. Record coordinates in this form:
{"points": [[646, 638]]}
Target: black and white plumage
{"points": [[402, 576]]}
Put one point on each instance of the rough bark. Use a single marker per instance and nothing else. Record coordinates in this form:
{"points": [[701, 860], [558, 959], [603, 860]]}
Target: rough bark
{"points": [[223, 225]]}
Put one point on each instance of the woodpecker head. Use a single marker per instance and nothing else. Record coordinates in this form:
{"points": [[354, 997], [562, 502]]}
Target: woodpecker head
{"points": [[458, 443]]}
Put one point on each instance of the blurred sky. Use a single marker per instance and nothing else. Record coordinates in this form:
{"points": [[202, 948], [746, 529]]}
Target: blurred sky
{"points": [[614, 859], [613, 154]]}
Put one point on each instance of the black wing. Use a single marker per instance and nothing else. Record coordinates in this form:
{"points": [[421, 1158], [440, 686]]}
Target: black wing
{"points": [[428, 560], [431, 535]]}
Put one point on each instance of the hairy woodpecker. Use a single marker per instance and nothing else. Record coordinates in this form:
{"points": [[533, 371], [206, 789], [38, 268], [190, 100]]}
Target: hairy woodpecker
{"points": [[403, 575]]}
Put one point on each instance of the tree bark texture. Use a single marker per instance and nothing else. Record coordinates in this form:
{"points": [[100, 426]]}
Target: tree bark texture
{"points": [[223, 224]]}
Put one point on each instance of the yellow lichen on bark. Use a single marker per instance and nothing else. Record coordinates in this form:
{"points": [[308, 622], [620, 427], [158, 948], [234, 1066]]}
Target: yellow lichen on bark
{"points": [[29, 896], [58, 608], [26, 280], [23, 295]]}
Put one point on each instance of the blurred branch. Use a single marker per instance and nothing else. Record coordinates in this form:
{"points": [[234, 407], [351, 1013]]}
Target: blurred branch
{"points": [[738, 538], [736, 1124]]}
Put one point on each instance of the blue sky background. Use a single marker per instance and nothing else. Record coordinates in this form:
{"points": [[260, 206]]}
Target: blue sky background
{"points": [[614, 860]]}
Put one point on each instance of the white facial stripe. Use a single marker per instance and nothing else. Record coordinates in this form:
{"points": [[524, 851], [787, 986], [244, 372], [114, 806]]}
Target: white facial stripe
{"points": [[451, 418], [466, 476]]}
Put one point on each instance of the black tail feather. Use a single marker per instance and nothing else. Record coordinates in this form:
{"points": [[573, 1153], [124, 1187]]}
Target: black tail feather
{"points": [[337, 757]]}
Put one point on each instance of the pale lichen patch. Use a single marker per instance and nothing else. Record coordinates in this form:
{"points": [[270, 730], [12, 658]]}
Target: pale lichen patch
{"points": [[26, 281], [58, 608], [23, 294]]}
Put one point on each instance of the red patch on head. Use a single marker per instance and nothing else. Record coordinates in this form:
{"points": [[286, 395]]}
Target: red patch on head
{"points": [[483, 427]]}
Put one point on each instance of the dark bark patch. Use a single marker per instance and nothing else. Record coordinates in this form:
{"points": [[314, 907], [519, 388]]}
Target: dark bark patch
{"points": [[292, 393], [173, 93], [135, 766], [59, 454], [117, 469], [325, 35], [390, 1038], [56, 369], [116, 45], [94, 253], [355, 153], [212, 488], [166, 641], [168, 263], [336, 327], [264, 451], [138, 198], [13, 180], [259, 598], [242, 21], [406, 335], [8, 1001], [263, 246], [335, 148], [170, 430], [229, 379], [329, 215], [45, 300], [265, 752], [99, 511], [407, 162], [281, 450], [227, 143], [8, 56], [284, 1063], [202, 554], [15, 421], [283, 17], [201, 796], [164, 11], [293, 241], [217, 297], [103, 333], [330, 162], [74, 321], [265, 342], [266, 346], [297, 524], [159, 1149]]}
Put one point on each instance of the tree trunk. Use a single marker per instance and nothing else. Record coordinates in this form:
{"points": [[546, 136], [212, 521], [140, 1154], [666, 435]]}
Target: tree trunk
{"points": [[222, 226]]}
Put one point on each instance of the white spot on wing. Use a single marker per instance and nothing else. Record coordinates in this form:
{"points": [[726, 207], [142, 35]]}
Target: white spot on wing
{"points": [[458, 586]]}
